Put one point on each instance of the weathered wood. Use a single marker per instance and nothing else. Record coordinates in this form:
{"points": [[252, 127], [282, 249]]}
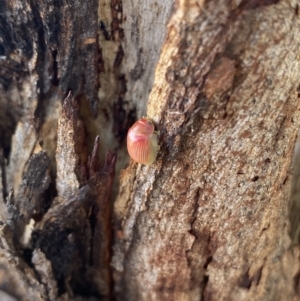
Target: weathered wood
{"points": [[67, 251], [210, 220], [68, 150], [46, 50], [101, 223]]}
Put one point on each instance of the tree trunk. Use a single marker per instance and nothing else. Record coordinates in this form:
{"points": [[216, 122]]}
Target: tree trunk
{"points": [[211, 219], [216, 217]]}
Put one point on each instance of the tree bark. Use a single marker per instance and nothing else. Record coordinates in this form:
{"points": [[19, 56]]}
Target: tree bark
{"points": [[211, 219], [216, 217]]}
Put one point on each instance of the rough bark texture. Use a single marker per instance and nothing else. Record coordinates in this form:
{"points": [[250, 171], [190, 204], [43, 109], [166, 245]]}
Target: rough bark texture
{"points": [[54, 197], [59, 246], [211, 220], [131, 36]]}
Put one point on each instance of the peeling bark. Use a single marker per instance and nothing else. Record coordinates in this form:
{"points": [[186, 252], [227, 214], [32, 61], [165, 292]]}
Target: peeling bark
{"points": [[23, 143], [67, 182], [64, 254]]}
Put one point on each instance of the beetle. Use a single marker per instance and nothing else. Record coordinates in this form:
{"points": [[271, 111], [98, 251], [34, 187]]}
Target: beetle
{"points": [[142, 141]]}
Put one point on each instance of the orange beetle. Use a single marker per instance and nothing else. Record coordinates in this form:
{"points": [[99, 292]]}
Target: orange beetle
{"points": [[142, 142]]}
